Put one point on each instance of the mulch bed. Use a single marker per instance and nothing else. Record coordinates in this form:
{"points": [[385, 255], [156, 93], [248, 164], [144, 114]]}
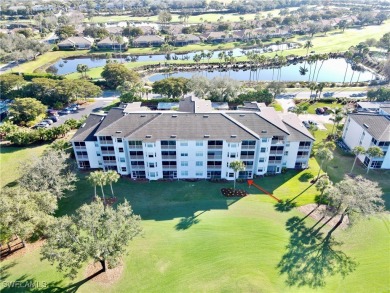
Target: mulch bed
{"points": [[109, 200], [318, 214], [230, 192], [107, 278], [17, 248]]}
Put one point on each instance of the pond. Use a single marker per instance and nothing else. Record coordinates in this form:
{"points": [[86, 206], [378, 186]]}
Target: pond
{"points": [[66, 66], [333, 70]]}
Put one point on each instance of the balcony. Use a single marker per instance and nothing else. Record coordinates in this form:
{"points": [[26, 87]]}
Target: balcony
{"points": [[276, 152], [213, 168], [136, 157], [277, 142], [109, 162], [212, 157], [215, 147], [82, 157], [139, 147], [138, 167], [80, 147], [169, 167], [108, 152], [168, 157], [304, 148], [274, 162], [248, 157], [105, 142], [168, 147], [248, 147]]}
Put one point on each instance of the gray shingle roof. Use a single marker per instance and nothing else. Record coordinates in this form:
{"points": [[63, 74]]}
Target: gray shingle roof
{"points": [[186, 126], [148, 38], [378, 126], [259, 124], [298, 132], [87, 131]]}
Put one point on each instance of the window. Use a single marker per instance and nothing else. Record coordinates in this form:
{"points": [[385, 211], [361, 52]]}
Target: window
{"points": [[249, 142], [260, 170], [184, 155], [120, 150], [199, 163], [123, 169], [199, 143], [152, 174], [150, 145], [133, 144], [304, 143], [384, 143], [287, 144], [215, 143], [184, 143], [184, 163], [82, 153], [122, 160], [374, 141], [137, 163], [137, 153], [119, 140], [184, 173], [262, 160], [233, 145], [230, 174], [376, 164], [199, 174], [232, 155], [286, 153], [262, 150], [264, 139], [248, 163], [199, 154], [96, 144], [79, 143], [151, 155], [152, 165], [98, 154]]}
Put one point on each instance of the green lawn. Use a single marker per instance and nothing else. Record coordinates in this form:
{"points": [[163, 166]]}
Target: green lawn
{"points": [[197, 241], [312, 107], [10, 157]]}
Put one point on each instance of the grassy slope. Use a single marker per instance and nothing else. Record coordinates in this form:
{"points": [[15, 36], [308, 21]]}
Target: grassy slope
{"points": [[10, 157]]}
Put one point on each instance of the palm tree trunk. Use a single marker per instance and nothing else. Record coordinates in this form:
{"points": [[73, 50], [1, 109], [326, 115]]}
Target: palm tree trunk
{"points": [[319, 171], [345, 74], [104, 197], [234, 184], [353, 165], [112, 190], [353, 72], [368, 166], [319, 69], [95, 189]]}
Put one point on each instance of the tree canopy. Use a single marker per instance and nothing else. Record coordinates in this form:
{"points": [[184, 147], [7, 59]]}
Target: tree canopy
{"points": [[9, 83], [172, 87], [24, 110], [96, 232], [117, 74]]}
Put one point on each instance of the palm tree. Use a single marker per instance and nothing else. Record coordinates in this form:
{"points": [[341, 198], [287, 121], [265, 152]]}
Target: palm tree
{"points": [[320, 87], [323, 57], [237, 166], [221, 56], [98, 178], [323, 185], [119, 40], [307, 46], [339, 116], [112, 177], [373, 152], [357, 151], [323, 154], [93, 179], [348, 55]]}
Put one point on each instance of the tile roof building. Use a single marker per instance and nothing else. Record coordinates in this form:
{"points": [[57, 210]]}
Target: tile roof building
{"points": [[194, 142]]}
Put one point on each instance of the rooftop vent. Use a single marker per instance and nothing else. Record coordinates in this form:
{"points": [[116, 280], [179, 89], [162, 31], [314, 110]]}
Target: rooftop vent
{"points": [[173, 135], [174, 116], [101, 118], [242, 115], [365, 125], [118, 131], [148, 136], [207, 135], [205, 116], [143, 116], [264, 131], [83, 125], [233, 135]]}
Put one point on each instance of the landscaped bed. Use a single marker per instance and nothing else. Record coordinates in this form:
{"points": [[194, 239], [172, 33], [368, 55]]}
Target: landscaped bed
{"points": [[230, 192]]}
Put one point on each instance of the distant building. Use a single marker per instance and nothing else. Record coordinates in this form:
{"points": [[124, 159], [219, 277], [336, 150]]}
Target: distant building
{"points": [[148, 41], [73, 43], [185, 39], [199, 143], [369, 129], [108, 44]]}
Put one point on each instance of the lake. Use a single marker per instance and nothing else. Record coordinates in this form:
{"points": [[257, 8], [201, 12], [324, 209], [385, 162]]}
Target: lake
{"points": [[66, 66], [333, 70]]}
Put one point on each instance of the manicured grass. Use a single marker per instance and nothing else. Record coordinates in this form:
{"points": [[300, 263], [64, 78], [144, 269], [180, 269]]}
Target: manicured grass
{"points": [[11, 157], [312, 107], [195, 240], [277, 106]]}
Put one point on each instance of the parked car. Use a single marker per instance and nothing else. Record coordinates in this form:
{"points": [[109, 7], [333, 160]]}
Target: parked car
{"points": [[306, 124], [312, 122], [48, 121], [291, 109], [53, 118], [74, 106], [320, 111], [328, 94], [41, 125], [64, 112]]}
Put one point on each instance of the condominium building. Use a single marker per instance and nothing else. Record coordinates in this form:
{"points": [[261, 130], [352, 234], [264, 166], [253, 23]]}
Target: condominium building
{"points": [[194, 142], [370, 129]]}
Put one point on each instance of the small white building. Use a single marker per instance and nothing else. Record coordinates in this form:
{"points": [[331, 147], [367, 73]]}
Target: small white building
{"points": [[194, 142], [366, 130]]}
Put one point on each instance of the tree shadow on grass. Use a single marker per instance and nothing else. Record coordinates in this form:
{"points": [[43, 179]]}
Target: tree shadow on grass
{"points": [[25, 284], [311, 257], [285, 206], [305, 177], [187, 222]]}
